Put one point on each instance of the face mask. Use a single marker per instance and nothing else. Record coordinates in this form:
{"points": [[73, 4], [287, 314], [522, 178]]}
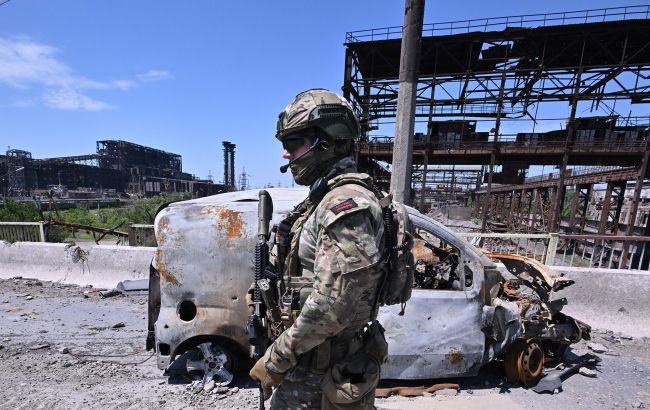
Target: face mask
{"points": [[309, 168], [305, 170]]}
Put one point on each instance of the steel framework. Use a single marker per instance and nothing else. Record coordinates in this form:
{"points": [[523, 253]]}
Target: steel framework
{"points": [[477, 76]]}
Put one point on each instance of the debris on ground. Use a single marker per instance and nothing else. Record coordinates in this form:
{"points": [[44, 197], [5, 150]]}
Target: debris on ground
{"points": [[552, 382], [597, 347], [39, 346], [447, 392], [109, 293], [82, 326], [587, 372], [415, 391], [209, 386]]}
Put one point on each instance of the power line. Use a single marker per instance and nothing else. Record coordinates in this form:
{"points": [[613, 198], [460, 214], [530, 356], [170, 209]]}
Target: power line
{"points": [[5, 2]]}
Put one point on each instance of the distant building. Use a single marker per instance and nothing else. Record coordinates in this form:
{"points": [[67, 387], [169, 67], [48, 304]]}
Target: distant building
{"points": [[595, 208], [117, 167]]}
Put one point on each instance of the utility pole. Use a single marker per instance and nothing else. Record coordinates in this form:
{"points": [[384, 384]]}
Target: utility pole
{"points": [[400, 180]]}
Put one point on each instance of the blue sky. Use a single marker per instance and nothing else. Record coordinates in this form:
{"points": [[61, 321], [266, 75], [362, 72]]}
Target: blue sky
{"points": [[183, 76]]}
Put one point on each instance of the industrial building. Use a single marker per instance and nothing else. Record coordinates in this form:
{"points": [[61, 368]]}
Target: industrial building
{"points": [[501, 96], [118, 167]]}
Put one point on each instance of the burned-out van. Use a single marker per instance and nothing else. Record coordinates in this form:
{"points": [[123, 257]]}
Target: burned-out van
{"points": [[465, 310]]}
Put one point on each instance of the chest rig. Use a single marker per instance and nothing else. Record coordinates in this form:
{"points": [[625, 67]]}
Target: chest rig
{"points": [[296, 287]]}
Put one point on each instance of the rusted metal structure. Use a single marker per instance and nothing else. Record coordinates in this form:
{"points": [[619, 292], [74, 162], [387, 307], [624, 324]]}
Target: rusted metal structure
{"points": [[15, 174], [117, 166], [482, 85]]}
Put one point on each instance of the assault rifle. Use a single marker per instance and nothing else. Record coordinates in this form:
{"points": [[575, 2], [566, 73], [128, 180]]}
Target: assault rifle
{"points": [[255, 326]]}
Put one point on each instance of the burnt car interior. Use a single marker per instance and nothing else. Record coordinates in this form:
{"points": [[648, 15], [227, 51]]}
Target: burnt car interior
{"points": [[436, 264]]}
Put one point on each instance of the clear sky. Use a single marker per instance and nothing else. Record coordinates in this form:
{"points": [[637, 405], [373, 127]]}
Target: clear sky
{"points": [[182, 76]]}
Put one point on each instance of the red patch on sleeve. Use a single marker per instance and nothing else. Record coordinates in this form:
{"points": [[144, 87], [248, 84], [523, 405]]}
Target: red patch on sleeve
{"points": [[344, 206]]}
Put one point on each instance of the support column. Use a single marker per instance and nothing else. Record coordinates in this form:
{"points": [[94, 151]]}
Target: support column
{"points": [[552, 193], [511, 209], [557, 207], [523, 204], [602, 225], [495, 147], [618, 199], [503, 211], [631, 218], [585, 206], [424, 181], [400, 181], [496, 210], [574, 209], [477, 203], [347, 75], [604, 216], [503, 198], [534, 207]]}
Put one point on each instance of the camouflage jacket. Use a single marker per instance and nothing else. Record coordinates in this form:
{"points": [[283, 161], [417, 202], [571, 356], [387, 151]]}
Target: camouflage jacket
{"points": [[340, 245]]}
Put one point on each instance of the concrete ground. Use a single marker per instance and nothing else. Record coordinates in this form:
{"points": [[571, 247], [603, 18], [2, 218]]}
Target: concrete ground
{"points": [[63, 346]]}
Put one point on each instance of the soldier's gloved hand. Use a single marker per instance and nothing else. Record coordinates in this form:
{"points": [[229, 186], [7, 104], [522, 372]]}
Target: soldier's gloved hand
{"points": [[266, 377]]}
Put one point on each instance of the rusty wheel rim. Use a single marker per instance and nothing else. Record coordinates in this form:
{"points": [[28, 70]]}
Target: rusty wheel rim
{"points": [[524, 362], [532, 362]]}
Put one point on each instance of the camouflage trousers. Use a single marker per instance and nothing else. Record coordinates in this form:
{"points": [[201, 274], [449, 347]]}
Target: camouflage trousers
{"points": [[301, 389]]}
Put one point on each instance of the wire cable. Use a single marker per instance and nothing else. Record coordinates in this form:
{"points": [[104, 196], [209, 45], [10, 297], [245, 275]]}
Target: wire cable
{"points": [[5, 2]]}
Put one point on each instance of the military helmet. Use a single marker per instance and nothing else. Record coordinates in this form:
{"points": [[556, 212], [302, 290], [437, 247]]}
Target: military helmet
{"points": [[322, 109]]}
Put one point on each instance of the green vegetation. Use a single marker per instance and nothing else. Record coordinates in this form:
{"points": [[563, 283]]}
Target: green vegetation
{"points": [[142, 211], [138, 212], [13, 211]]}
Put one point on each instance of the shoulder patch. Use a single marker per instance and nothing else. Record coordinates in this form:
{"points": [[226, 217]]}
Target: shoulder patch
{"points": [[344, 206]]}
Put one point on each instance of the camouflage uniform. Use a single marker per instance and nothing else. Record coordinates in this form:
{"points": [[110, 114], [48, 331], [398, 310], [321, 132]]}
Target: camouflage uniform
{"points": [[340, 246]]}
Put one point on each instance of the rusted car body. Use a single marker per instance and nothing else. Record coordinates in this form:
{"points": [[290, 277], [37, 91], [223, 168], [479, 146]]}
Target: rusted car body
{"points": [[464, 312]]}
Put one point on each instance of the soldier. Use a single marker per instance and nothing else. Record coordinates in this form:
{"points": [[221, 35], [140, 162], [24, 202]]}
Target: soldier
{"points": [[329, 357]]}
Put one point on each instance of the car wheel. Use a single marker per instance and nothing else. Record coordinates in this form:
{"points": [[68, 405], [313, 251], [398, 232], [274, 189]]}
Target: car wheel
{"points": [[524, 362], [214, 362]]}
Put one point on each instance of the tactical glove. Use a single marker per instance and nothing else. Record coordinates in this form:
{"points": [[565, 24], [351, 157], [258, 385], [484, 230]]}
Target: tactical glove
{"points": [[266, 377]]}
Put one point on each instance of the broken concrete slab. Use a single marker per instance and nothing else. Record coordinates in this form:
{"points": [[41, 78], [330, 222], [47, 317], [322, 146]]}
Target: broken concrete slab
{"points": [[133, 285]]}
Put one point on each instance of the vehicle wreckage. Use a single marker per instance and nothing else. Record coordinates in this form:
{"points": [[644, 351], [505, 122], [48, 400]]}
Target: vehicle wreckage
{"points": [[465, 310]]}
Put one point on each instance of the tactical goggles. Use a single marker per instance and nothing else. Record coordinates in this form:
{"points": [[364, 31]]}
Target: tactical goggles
{"points": [[296, 140]]}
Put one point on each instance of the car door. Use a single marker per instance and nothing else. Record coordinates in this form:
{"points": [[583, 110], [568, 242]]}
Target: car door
{"points": [[440, 333]]}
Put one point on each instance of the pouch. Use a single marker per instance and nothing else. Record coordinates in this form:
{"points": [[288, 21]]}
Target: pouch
{"points": [[350, 383], [374, 342]]}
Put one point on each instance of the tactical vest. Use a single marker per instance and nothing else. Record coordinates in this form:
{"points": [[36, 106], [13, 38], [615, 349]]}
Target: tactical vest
{"points": [[298, 287], [393, 273]]}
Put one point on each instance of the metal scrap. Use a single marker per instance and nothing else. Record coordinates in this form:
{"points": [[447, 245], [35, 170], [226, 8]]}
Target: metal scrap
{"points": [[551, 383], [413, 391]]}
